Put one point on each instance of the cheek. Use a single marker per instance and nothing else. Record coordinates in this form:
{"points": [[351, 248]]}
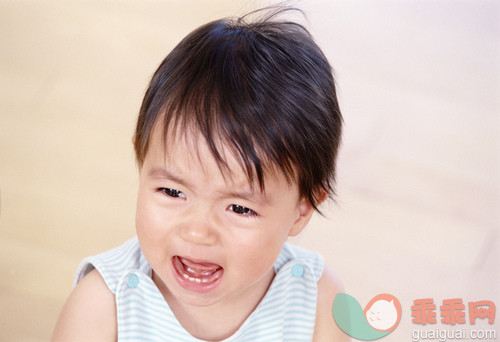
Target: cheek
{"points": [[153, 236], [150, 221], [256, 252], [143, 217]]}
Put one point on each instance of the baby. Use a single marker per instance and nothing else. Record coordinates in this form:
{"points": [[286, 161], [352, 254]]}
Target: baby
{"points": [[236, 143]]}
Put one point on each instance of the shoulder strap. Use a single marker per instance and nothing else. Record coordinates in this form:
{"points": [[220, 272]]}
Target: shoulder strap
{"points": [[114, 263]]}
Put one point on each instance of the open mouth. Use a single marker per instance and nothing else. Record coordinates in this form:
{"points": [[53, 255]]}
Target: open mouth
{"points": [[196, 276]]}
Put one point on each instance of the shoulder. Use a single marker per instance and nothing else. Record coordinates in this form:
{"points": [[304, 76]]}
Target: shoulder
{"points": [[113, 263], [89, 313], [294, 253], [326, 329]]}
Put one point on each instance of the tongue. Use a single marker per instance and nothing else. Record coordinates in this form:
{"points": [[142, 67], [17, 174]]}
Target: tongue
{"points": [[199, 269]]}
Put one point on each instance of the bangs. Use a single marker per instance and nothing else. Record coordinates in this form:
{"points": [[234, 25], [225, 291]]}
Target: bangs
{"points": [[219, 108]]}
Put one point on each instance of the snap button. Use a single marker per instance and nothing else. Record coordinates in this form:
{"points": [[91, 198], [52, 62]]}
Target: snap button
{"points": [[132, 281], [298, 271]]}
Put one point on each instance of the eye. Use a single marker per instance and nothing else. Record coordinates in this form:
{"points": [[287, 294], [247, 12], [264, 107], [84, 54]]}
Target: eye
{"points": [[241, 210], [173, 193]]}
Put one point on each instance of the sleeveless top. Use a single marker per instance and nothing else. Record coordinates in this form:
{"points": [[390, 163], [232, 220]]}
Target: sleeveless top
{"points": [[286, 313]]}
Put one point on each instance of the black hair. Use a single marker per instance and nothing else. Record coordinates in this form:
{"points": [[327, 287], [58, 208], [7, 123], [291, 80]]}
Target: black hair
{"points": [[263, 88]]}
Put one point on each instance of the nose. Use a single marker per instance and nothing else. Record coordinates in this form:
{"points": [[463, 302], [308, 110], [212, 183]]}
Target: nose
{"points": [[199, 228]]}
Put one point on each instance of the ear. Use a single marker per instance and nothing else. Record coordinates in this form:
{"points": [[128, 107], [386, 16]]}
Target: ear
{"points": [[305, 211]]}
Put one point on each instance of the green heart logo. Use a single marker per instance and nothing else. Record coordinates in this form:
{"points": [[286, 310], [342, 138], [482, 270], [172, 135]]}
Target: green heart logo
{"points": [[380, 316]]}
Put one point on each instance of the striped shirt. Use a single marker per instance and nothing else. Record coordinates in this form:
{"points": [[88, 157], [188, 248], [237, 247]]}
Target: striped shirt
{"points": [[286, 313]]}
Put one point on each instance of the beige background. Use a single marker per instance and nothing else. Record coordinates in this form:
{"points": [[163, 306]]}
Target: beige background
{"points": [[417, 213]]}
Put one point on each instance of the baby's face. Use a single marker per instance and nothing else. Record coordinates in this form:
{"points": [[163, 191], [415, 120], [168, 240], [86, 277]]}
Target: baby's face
{"points": [[211, 238], [382, 315]]}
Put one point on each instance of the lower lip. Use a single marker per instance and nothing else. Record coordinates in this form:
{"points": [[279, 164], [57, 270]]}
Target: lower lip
{"points": [[206, 285]]}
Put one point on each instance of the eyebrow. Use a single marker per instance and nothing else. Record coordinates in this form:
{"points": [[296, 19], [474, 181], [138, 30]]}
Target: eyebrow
{"points": [[249, 196], [252, 196], [162, 173]]}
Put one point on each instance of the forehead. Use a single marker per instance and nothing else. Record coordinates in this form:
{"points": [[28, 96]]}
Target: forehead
{"points": [[188, 146], [178, 144]]}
